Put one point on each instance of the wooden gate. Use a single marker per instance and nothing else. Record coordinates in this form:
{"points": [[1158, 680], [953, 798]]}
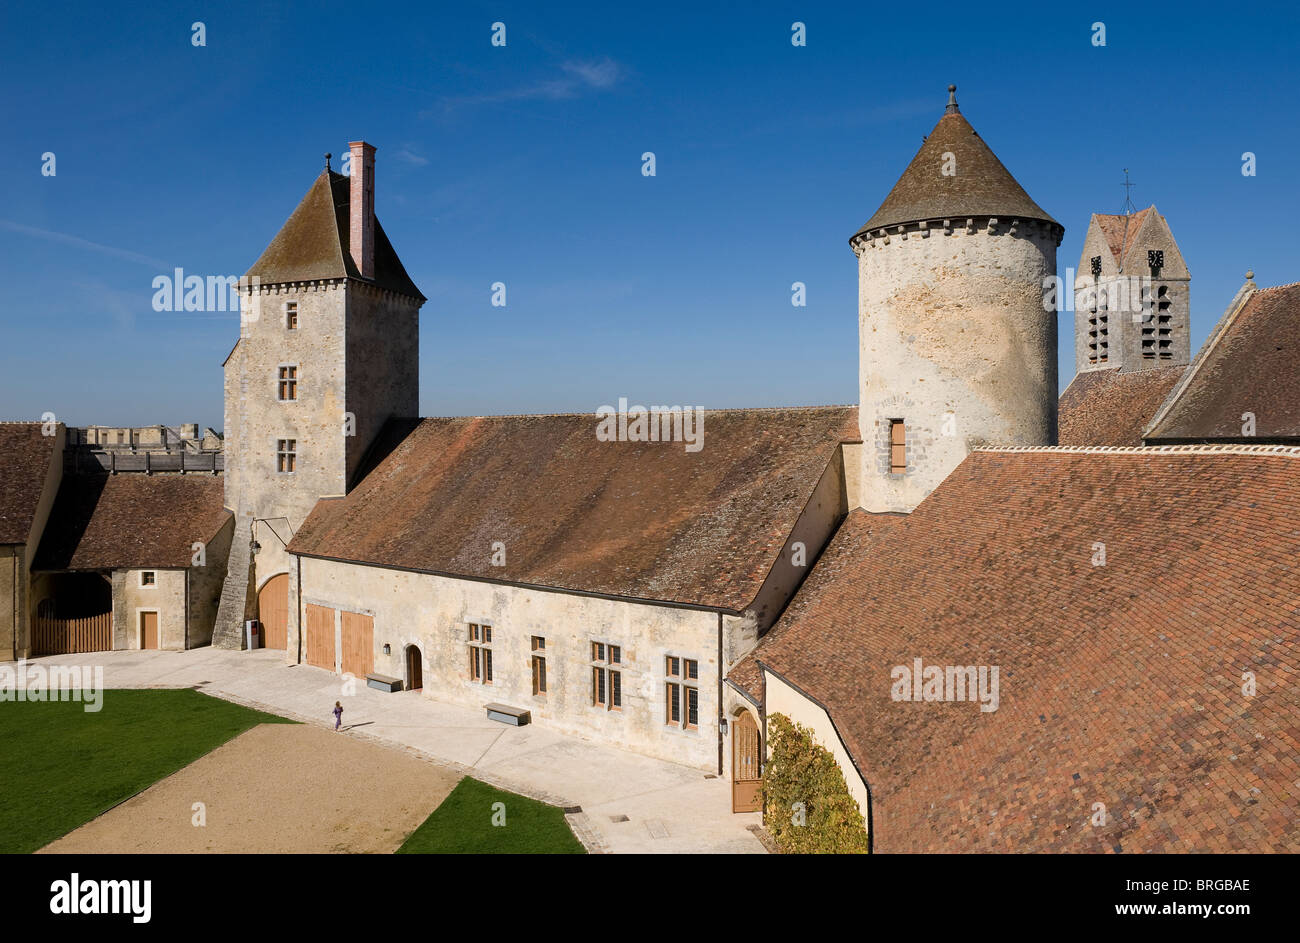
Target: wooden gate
{"points": [[358, 644], [273, 612], [746, 765], [149, 630], [53, 636], [414, 670], [320, 637]]}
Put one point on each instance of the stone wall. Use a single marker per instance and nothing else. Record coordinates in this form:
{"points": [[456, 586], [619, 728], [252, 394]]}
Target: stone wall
{"points": [[433, 613], [954, 341], [166, 597]]}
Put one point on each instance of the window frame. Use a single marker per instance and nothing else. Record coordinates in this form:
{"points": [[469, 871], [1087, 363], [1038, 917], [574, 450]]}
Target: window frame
{"points": [[286, 454], [479, 643], [285, 384], [291, 315], [152, 583], [681, 681], [537, 664], [607, 667]]}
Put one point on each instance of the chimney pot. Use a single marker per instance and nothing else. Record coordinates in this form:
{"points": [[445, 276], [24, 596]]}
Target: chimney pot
{"points": [[361, 208]]}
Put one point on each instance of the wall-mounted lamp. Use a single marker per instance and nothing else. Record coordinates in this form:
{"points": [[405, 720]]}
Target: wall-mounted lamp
{"points": [[722, 726], [253, 547], [387, 649]]}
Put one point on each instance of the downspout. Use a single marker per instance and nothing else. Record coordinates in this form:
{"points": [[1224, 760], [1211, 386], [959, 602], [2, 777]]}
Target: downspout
{"points": [[298, 561], [719, 694], [187, 609]]}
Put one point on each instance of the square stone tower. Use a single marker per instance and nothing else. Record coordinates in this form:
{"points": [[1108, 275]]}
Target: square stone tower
{"points": [[328, 352], [1132, 300]]}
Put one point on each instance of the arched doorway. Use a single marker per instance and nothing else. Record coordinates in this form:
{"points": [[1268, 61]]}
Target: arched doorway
{"points": [[414, 670], [746, 765], [273, 611]]}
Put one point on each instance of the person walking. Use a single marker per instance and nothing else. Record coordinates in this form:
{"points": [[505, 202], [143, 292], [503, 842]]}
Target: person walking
{"points": [[338, 715]]}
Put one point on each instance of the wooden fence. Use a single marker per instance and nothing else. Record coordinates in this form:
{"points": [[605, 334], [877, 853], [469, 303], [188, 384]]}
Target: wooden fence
{"points": [[69, 636]]}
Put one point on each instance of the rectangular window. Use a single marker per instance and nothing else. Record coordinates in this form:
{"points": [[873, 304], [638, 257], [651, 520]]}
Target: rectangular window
{"points": [[291, 315], [288, 385], [606, 679], [539, 665], [897, 447], [480, 653], [681, 696], [286, 455], [148, 578]]}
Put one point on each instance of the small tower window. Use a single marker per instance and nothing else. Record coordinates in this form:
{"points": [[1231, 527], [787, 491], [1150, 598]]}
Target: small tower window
{"points": [[288, 383], [1099, 330], [291, 315], [286, 455], [897, 447]]}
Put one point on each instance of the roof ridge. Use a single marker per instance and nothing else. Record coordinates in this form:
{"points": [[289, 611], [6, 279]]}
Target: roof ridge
{"points": [[1195, 449], [707, 409], [1278, 287]]}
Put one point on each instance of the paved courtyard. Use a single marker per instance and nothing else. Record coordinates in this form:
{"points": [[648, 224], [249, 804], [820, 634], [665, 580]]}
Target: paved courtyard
{"points": [[630, 803]]}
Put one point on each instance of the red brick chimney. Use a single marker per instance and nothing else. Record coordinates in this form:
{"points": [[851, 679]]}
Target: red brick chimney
{"points": [[361, 211]]}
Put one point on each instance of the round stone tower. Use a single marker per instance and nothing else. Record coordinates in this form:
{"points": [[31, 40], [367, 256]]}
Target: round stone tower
{"points": [[957, 348]]}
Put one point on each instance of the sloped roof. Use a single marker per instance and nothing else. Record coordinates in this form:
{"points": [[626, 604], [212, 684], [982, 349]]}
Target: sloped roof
{"points": [[980, 187], [314, 243], [630, 519], [25, 456], [1121, 230], [1250, 364], [128, 521], [1107, 407], [1119, 683]]}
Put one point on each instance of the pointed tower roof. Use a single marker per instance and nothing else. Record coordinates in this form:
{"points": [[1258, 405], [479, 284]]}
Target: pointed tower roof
{"points": [[981, 186], [314, 243]]}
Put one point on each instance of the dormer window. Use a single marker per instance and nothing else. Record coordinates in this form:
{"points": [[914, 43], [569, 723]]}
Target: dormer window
{"points": [[291, 315]]}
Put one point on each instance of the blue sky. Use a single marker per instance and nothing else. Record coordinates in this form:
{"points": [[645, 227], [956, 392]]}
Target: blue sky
{"points": [[522, 164]]}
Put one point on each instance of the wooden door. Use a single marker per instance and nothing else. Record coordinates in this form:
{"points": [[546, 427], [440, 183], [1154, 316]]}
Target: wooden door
{"points": [[358, 644], [273, 612], [414, 671], [746, 765], [320, 637], [149, 630]]}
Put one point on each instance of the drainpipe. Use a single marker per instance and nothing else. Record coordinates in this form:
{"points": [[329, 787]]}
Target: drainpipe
{"points": [[719, 724], [298, 561], [187, 609]]}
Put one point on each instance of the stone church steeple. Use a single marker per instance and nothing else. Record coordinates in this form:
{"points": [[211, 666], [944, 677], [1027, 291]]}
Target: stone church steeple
{"points": [[957, 349], [1132, 303]]}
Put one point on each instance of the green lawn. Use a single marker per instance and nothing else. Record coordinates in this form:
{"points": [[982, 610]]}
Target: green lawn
{"points": [[61, 766], [463, 824]]}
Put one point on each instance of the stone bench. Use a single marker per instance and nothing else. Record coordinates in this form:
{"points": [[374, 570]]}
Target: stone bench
{"points": [[383, 682], [517, 716]]}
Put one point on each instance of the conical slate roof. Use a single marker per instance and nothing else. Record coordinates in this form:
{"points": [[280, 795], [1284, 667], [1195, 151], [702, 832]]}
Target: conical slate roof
{"points": [[314, 243], [981, 186]]}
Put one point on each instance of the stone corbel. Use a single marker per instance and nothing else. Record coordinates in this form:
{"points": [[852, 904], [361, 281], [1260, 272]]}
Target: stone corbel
{"points": [[993, 226], [970, 227]]}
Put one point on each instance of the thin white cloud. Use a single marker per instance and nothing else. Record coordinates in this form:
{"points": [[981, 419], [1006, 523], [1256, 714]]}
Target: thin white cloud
{"points": [[578, 77], [408, 155], [79, 243]]}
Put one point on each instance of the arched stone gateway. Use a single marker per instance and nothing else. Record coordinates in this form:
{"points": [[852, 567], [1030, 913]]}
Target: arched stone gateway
{"points": [[746, 764], [273, 611], [414, 669]]}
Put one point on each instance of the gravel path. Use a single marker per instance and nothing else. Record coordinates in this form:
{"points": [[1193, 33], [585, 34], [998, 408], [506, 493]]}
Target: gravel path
{"points": [[275, 788]]}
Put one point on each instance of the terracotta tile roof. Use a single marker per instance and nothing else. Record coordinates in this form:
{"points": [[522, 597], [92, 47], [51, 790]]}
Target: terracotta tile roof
{"points": [[129, 521], [1251, 363], [980, 187], [314, 243], [1106, 407], [1119, 684], [25, 457], [1120, 231], [631, 519], [747, 676]]}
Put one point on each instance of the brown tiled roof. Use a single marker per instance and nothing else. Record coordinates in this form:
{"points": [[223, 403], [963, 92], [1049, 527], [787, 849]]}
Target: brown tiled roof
{"points": [[747, 676], [1120, 231], [1119, 684], [1251, 363], [128, 521], [980, 187], [314, 243], [1106, 407], [630, 519], [25, 457]]}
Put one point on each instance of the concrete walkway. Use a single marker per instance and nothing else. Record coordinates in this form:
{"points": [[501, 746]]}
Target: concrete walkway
{"points": [[630, 803]]}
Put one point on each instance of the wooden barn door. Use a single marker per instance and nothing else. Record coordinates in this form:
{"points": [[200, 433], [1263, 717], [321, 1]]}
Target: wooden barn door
{"points": [[358, 644], [149, 630], [414, 671], [320, 636], [273, 612], [746, 765]]}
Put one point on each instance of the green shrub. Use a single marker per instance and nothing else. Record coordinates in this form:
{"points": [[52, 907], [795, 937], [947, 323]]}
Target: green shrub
{"points": [[800, 771]]}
